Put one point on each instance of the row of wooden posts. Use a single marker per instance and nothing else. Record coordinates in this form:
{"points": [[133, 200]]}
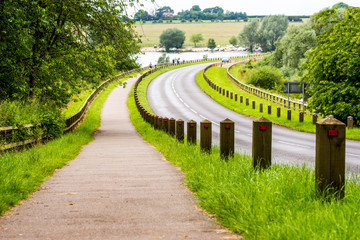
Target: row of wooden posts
{"points": [[330, 143]]}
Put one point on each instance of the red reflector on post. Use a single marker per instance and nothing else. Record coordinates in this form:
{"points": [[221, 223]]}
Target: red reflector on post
{"points": [[171, 121], [227, 126], [263, 128], [165, 120], [333, 133], [191, 125], [180, 123], [206, 126]]}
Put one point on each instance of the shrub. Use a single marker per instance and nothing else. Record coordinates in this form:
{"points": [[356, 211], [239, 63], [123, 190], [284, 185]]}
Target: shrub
{"points": [[264, 77]]}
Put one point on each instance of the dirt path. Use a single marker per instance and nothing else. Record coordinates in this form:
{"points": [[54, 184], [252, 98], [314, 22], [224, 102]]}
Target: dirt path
{"points": [[119, 187]]}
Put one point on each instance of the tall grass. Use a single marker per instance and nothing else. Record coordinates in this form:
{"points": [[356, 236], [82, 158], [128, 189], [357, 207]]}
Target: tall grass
{"points": [[279, 203], [22, 173]]}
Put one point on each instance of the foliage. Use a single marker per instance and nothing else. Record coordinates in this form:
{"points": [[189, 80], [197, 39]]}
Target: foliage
{"points": [[64, 46], [333, 65], [341, 5], [163, 59], [172, 38], [233, 41], [211, 43], [196, 38], [272, 28], [264, 77], [249, 36], [52, 123]]}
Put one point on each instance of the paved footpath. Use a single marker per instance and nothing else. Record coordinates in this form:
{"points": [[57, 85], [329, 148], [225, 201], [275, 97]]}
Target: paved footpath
{"points": [[119, 187]]}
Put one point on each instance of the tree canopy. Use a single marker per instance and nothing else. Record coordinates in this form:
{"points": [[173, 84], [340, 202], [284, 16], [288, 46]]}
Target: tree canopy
{"points": [[172, 38], [272, 28], [333, 65], [196, 38], [249, 35], [50, 48]]}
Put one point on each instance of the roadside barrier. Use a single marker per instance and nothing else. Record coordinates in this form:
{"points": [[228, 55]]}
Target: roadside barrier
{"points": [[17, 137], [330, 145]]}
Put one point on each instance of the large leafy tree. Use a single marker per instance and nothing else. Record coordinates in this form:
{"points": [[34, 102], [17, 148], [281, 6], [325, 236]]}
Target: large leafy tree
{"points": [[272, 28], [49, 46], [172, 38], [333, 65], [249, 36]]}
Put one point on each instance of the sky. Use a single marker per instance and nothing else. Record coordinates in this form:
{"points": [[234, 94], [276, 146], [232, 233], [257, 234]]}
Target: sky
{"points": [[253, 7]]}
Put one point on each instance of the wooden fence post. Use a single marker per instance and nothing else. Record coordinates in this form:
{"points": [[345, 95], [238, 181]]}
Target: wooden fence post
{"points": [[205, 135], [227, 136], [350, 122], [172, 126], [180, 130], [191, 132], [269, 109], [289, 114], [314, 117], [330, 156], [261, 144]]}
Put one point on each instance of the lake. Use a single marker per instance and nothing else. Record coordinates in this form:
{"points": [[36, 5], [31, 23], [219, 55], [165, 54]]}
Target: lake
{"points": [[151, 57]]}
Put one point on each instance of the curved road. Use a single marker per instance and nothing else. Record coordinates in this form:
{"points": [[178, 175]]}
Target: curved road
{"points": [[176, 94]]}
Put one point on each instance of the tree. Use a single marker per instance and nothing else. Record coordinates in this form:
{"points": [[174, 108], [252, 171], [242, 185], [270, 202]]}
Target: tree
{"points": [[249, 35], [341, 5], [62, 45], [141, 15], [195, 8], [211, 43], [196, 38], [333, 66], [160, 12], [272, 28], [233, 41], [172, 38]]}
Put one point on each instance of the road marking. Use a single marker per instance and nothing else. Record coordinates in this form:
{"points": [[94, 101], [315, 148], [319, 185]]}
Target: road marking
{"points": [[353, 155], [293, 144]]}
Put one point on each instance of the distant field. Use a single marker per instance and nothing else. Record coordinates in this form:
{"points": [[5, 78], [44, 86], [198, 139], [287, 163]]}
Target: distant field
{"points": [[220, 31]]}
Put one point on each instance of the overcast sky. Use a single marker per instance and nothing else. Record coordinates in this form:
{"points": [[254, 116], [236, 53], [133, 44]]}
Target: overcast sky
{"points": [[254, 7]]}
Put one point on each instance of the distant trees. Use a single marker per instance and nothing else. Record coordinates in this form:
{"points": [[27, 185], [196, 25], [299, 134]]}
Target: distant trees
{"points": [[249, 36], [196, 38], [233, 41], [172, 38], [271, 29], [211, 43]]}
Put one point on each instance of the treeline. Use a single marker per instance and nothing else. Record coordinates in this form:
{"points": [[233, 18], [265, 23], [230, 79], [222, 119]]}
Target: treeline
{"points": [[196, 14]]}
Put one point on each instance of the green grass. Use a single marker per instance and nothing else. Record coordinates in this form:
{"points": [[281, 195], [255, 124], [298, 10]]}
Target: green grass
{"points": [[22, 173], [279, 203], [219, 77], [220, 31], [76, 103]]}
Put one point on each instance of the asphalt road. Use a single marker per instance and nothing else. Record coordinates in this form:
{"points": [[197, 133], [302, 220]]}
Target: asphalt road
{"points": [[176, 94]]}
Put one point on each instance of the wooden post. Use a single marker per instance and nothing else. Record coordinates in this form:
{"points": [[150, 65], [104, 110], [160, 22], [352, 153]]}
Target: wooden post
{"points": [[289, 114], [269, 109], [241, 99], [223, 92], [227, 136], [261, 143], [191, 132], [166, 124], [253, 104], [261, 107], [235, 97], [205, 135], [314, 117], [278, 111], [172, 126], [161, 127], [180, 130], [156, 122], [301, 116], [330, 156], [350, 122], [247, 101], [227, 93]]}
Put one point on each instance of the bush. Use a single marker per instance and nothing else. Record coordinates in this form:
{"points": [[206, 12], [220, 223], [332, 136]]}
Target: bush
{"points": [[52, 123], [264, 77]]}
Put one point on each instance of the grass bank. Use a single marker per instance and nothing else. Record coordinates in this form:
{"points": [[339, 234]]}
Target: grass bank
{"points": [[279, 203], [21, 173], [219, 77]]}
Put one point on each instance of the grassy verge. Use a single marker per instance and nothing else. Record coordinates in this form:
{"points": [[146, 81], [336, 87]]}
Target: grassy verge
{"points": [[280, 203], [219, 77], [22, 173]]}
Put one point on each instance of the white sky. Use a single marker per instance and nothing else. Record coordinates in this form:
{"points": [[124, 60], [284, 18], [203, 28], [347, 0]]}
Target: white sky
{"points": [[253, 7]]}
